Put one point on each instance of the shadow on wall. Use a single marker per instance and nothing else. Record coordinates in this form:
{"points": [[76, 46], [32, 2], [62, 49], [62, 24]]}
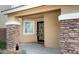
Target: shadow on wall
{"points": [[2, 38]]}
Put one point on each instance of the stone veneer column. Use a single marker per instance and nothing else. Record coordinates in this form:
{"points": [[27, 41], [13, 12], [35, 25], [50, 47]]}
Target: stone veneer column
{"points": [[69, 33], [13, 33]]}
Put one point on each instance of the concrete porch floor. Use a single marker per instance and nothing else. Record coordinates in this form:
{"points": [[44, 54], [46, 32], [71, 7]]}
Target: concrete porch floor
{"points": [[34, 48]]}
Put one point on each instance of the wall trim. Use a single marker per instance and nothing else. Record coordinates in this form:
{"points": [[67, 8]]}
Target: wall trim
{"points": [[10, 22], [69, 16]]}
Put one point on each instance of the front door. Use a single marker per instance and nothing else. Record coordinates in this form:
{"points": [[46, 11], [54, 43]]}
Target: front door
{"points": [[40, 31]]}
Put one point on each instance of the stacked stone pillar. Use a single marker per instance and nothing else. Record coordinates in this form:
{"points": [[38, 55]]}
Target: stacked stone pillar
{"points": [[69, 33], [13, 34]]}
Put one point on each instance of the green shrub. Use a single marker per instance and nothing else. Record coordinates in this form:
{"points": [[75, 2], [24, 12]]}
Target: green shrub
{"points": [[2, 44]]}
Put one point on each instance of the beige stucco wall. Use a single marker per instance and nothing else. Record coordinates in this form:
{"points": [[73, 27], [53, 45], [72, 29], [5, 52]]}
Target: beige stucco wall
{"points": [[30, 37], [51, 29], [33, 37], [69, 9], [3, 18]]}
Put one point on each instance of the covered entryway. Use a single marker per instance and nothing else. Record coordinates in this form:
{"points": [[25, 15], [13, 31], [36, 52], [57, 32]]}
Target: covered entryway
{"points": [[32, 19], [46, 28]]}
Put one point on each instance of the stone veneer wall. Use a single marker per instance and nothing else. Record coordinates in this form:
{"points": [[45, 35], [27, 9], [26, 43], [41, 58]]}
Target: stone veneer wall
{"points": [[12, 36], [69, 36]]}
